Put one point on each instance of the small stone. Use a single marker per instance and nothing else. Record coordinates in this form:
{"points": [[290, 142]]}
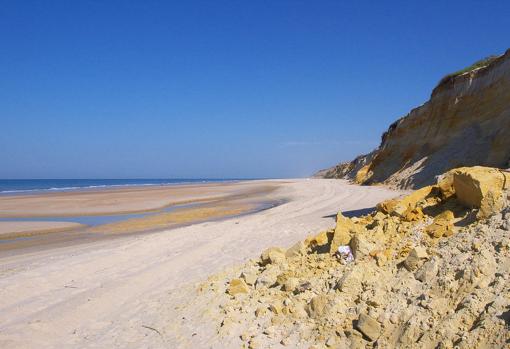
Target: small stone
{"points": [[269, 331], [276, 308], [442, 225], [291, 284], [260, 311], [302, 287], [393, 318], [330, 341], [351, 282], [285, 341], [296, 250], [273, 255], [368, 326], [319, 242], [317, 306], [245, 337], [415, 257], [268, 277], [360, 246], [253, 344], [249, 278], [427, 271], [413, 214], [237, 286]]}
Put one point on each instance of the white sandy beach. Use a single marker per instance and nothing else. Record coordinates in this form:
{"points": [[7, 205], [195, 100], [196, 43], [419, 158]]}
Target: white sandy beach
{"points": [[123, 293]]}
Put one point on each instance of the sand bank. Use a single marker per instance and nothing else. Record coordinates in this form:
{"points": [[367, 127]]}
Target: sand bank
{"points": [[123, 200], [11, 230], [114, 293], [123, 210]]}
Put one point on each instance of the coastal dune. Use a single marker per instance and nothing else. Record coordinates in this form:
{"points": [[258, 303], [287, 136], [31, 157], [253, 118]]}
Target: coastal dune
{"points": [[127, 292]]}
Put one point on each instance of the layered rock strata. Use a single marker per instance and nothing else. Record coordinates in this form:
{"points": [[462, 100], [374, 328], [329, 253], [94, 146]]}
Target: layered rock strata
{"points": [[466, 122]]}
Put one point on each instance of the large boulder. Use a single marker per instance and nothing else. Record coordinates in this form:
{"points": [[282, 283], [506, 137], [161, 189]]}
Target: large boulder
{"points": [[481, 187]]}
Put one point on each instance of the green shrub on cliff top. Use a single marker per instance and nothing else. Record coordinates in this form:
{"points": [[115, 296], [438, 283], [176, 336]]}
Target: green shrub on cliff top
{"points": [[478, 64]]}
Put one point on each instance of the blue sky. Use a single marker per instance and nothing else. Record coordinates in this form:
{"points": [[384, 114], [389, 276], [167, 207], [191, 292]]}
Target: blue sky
{"points": [[131, 89]]}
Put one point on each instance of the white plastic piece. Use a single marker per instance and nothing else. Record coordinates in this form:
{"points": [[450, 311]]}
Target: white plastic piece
{"points": [[345, 253]]}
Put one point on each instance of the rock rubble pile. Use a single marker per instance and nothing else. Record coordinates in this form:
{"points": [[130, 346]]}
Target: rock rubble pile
{"points": [[429, 270]]}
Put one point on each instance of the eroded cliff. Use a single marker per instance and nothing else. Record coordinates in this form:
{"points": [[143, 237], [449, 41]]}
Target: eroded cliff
{"points": [[466, 122]]}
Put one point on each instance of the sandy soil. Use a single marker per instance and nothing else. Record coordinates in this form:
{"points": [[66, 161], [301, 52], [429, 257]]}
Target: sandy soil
{"points": [[126, 292]]}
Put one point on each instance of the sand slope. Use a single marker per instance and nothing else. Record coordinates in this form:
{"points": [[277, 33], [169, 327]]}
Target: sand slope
{"points": [[124, 292]]}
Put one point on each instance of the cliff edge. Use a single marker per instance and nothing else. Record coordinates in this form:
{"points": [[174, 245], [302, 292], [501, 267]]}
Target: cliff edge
{"points": [[466, 122]]}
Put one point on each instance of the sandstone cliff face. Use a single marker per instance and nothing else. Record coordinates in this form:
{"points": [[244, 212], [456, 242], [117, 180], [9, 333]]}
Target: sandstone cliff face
{"points": [[466, 122]]}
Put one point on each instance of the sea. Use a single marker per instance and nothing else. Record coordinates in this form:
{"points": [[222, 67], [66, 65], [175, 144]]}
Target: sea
{"points": [[21, 186]]}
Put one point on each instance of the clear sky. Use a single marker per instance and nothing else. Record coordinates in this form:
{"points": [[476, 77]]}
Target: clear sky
{"points": [[127, 89]]}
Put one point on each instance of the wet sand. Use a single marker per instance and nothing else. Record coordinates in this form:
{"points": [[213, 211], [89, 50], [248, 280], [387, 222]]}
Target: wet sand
{"points": [[122, 200], [12, 230], [138, 210]]}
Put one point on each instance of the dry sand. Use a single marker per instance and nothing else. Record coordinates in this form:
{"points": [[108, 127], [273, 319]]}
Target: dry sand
{"points": [[126, 292]]}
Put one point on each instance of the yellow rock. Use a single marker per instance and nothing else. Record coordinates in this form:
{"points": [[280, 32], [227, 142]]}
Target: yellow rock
{"points": [[414, 258], [400, 206], [445, 184], [272, 255], [260, 311], [317, 306], [363, 174], [442, 225], [382, 257], [237, 286], [276, 308], [413, 214], [320, 239], [368, 326], [387, 206], [297, 249], [481, 187], [344, 230]]}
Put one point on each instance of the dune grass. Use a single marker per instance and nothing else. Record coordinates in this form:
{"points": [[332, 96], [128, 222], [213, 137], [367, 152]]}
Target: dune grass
{"points": [[478, 64]]}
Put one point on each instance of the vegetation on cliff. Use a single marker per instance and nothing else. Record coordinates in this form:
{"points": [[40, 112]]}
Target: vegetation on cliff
{"points": [[478, 64]]}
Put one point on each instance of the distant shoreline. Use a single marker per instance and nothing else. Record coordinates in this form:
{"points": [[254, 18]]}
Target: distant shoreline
{"points": [[41, 186]]}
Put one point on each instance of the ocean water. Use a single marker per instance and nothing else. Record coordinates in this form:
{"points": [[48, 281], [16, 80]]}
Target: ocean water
{"points": [[20, 186]]}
